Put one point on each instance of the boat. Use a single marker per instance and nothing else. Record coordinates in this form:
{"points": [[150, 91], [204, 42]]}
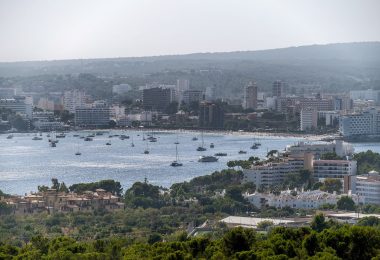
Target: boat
{"points": [[88, 139], [201, 148], [36, 138], [132, 144], [176, 142], [9, 136], [61, 135], [98, 133], [122, 137], [75, 135], [152, 139], [207, 159], [108, 143], [242, 152], [220, 154], [146, 151], [212, 145], [254, 147], [176, 163], [194, 139], [78, 152], [48, 135], [53, 144]]}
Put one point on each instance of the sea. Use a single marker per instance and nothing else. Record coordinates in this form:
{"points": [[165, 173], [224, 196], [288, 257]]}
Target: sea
{"points": [[26, 163]]}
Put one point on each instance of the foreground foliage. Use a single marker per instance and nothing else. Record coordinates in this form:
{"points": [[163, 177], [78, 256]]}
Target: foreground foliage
{"points": [[336, 242]]}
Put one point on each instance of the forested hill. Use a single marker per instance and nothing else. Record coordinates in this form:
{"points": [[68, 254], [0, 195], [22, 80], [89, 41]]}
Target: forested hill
{"points": [[333, 66], [366, 52]]}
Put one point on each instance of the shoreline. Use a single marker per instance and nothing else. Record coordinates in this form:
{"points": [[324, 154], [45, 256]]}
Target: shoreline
{"points": [[307, 137]]}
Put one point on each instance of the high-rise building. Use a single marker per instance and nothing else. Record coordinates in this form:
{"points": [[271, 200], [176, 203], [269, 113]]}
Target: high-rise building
{"points": [[73, 99], [95, 116], [360, 125], [308, 119], [183, 85], [250, 96], [190, 96], [19, 105], [278, 89], [211, 115], [157, 98]]}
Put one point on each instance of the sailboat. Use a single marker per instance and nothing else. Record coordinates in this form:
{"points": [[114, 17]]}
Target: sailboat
{"points": [[201, 148], [133, 145], [176, 163], [176, 142], [146, 151], [78, 152]]}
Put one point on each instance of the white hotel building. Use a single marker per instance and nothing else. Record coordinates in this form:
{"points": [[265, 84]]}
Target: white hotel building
{"points": [[363, 124], [366, 186], [302, 200], [334, 169]]}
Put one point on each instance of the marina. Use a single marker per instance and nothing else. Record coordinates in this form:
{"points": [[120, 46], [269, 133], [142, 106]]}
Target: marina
{"points": [[85, 157]]}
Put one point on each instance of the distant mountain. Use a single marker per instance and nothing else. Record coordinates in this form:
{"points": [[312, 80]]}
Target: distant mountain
{"points": [[332, 66]]}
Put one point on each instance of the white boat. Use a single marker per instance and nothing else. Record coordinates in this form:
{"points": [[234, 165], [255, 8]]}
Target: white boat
{"points": [[176, 163], [207, 159], [9, 136], [36, 138]]}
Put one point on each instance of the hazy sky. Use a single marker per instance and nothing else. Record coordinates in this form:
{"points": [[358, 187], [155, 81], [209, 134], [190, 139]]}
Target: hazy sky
{"points": [[64, 29]]}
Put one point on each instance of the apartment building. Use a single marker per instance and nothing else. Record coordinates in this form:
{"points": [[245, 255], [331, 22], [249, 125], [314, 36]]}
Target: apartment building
{"points": [[366, 186], [96, 116], [308, 119], [300, 200], [19, 105], [360, 124], [250, 96], [53, 201], [335, 169]]}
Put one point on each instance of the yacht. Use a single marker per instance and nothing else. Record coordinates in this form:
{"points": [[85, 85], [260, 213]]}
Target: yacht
{"points": [[36, 138], [194, 139], [78, 153], [9, 136], [201, 148], [242, 152], [176, 163], [254, 147], [122, 137], [212, 145], [61, 135], [207, 159], [88, 139], [53, 144], [146, 151], [108, 143], [220, 154]]}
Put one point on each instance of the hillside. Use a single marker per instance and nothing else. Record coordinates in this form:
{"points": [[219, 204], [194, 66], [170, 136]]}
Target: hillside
{"points": [[333, 67]]}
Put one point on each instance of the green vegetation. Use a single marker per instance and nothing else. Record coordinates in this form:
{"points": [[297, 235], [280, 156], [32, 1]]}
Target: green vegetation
{"points": [[367, 161], [107, 185], [326, 241], [331, 185]]}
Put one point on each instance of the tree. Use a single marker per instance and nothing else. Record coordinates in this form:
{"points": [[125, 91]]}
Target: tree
{"points": [[265, 224], [318, 223], [172, 108], [331, 185], [346, 203], [370, 221], [272, 153]]}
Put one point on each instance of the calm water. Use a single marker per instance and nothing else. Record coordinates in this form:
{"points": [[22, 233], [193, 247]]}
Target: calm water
{"points": [[25, 164]]}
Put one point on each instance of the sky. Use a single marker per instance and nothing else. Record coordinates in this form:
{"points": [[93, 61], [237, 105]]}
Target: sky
{"points": [[79, 29]]}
